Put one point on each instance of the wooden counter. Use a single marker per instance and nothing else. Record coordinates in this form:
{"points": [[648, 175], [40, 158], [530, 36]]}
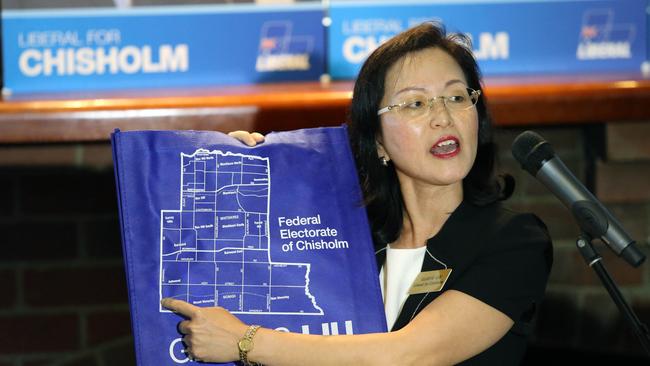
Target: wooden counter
{"points": [[514, 101]]}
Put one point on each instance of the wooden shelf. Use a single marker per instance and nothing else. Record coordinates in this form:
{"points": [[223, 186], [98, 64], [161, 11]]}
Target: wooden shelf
{"points": [[514, 101]]}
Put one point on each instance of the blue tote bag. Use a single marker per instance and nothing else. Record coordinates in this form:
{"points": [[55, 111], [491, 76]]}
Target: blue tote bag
{"points": [[275, 233]]}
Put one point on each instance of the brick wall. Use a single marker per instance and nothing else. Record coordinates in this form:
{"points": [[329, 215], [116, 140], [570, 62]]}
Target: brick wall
{"points": [[64, 296], [578, 316]]}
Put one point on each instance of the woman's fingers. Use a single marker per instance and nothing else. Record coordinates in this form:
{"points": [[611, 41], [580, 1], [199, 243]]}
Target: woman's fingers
{"points": [[184, 327], [181, 307], [258, 137], [250, 139], [210, 334]]}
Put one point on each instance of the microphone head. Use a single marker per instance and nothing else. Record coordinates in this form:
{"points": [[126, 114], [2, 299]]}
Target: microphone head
{"points": [[531, 151]]}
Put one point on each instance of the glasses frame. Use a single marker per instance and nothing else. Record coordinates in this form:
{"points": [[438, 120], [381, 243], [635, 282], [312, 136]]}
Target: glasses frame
{"points": [[473, 94]]}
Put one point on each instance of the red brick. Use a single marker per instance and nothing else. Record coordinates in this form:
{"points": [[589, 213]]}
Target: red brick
{"points": [[75, 286], [38, 333], [634, 218], [121, 353], [566, 141], [107, 326], [623, 182], [621, 272], [8, 288], [628, 141], [7, 193], [68, 191], [101, 238], [97, 155], [557, 218], [563, 268], [509, 165], [37, 240], [569, 268], [43, 155], [503, 138]]}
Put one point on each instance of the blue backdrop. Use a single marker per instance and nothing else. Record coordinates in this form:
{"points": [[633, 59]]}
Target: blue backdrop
{"points": [[184, 46], [62, 50], [509, 36]]}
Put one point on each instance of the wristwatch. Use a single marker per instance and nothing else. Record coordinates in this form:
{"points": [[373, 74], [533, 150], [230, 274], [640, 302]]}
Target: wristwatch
{"points": [[246, 345]]}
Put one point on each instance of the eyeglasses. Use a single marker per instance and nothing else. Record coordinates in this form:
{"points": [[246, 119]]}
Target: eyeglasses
{"points": [[419, 106]]}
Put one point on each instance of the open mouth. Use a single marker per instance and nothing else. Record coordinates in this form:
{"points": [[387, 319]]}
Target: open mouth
{"points": [[446, 147]]}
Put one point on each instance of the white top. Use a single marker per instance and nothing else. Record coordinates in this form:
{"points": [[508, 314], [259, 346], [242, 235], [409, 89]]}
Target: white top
{"points": [[403, 265]]}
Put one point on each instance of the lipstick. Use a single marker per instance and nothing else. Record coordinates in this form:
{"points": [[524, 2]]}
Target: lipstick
{"points": [[446, 147]]}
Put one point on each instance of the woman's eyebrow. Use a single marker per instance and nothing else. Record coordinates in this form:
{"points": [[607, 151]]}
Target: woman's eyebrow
{"points": [[410, 88], [421, 89], [453, 81]]}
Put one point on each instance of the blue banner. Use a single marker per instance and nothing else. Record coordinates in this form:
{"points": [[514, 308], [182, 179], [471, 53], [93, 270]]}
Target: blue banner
{"points": [[276, 234], [509, 36], [176, 46]]}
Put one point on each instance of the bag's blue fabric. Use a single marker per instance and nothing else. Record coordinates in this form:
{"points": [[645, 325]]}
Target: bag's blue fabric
{"points": [[276, 233]]}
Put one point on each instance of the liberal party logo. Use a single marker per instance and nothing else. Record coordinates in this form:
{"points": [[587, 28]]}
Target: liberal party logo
{"points": [[279, 50], [602, 38]]}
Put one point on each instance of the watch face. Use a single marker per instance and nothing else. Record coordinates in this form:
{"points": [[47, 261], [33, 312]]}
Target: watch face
{"points": [[245, 345]]}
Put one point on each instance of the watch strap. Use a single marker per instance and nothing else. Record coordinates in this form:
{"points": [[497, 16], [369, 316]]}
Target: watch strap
{"points": [[248, 337]]}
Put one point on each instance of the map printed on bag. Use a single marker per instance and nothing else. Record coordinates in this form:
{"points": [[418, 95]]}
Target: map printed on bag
{"points": [[276, 234]]}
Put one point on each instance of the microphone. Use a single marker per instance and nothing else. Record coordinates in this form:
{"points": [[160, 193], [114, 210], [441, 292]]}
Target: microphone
{"points": [[538, 158]]}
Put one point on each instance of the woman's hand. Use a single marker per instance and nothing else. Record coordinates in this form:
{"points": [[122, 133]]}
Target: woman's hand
{"points": [[249, 138], [210, 334]]}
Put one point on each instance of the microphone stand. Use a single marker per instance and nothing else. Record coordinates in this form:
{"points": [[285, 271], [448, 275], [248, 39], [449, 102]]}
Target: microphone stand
{"points": [[594, 260]]}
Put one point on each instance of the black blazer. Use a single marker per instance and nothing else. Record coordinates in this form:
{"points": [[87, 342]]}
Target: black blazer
{"points": [[497, 256]]}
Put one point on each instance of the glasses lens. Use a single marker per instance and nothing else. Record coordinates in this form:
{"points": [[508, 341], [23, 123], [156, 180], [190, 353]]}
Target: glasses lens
{"points": [[461, 99], [419, 106], [413, 107]]}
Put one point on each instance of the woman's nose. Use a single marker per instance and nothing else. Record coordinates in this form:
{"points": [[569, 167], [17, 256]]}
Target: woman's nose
{"points": [[439, 113]]}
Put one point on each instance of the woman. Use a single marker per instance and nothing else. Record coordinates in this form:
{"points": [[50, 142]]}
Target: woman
{"points": [[421, 136]]}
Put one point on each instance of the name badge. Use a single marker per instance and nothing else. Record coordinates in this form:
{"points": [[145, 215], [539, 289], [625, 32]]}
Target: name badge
{"points": [[430, 281]]}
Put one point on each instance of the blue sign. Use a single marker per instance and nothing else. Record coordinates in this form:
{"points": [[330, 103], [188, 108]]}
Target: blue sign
{"points": [[509, 37], [100, 49], [276, 234]]}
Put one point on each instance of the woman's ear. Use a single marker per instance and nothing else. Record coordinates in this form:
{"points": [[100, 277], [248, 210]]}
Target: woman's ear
{"points": [[382, 154]]}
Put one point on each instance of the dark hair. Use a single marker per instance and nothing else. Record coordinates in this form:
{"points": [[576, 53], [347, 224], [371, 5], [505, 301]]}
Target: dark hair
{"points": [[379, 183]]}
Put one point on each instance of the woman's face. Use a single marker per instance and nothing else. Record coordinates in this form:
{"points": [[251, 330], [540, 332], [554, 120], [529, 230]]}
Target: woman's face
{"points": [[439, 147]]}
